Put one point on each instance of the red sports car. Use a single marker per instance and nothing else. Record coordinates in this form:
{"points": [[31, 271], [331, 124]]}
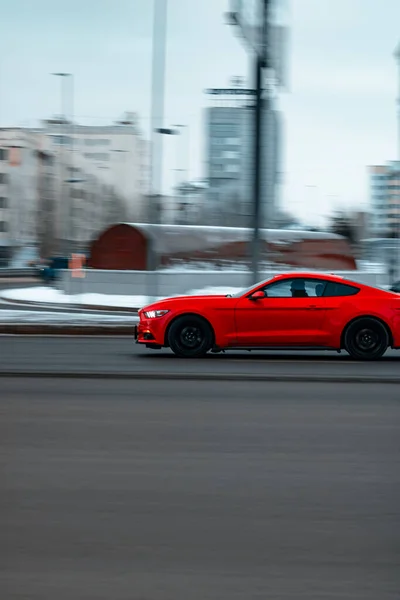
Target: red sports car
{"points": [[292, 311]]}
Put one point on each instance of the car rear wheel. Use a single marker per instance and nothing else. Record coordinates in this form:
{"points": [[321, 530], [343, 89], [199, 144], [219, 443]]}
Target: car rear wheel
{"points": [[366, 339], [190, 337]]}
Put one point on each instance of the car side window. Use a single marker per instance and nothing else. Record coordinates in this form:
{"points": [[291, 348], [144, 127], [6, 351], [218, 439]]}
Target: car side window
{"points": [[334, 289], [296, 287]]}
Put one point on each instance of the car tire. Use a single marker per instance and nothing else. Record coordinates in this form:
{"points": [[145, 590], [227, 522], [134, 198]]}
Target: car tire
{"points": [[366, 339], [190, 337]]}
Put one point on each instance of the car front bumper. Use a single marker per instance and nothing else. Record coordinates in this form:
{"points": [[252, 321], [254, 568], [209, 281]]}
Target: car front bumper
{"points": [[150, 332]]}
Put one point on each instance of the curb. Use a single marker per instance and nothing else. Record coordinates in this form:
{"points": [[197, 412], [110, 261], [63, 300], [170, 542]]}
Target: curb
{"points": [[60, 330], [201, 377], [65, 307]]}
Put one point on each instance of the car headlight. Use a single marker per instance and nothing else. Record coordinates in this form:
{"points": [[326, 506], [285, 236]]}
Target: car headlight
{"points": [[153, 314]]}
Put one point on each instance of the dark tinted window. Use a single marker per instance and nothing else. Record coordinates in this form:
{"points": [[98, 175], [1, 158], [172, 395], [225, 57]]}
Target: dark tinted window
{"points": [[339, 289], [295, 288]]}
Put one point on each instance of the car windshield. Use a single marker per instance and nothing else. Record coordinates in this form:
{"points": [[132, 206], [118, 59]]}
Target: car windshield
{"points": [[252, 287]]}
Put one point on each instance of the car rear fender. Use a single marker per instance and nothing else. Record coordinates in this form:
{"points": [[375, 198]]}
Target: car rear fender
{"points": [[187, 314]]}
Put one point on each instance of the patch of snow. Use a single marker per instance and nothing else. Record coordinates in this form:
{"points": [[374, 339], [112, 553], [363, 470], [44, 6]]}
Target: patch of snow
{"points": [[215, 291], [48, 295], [112, 300]]}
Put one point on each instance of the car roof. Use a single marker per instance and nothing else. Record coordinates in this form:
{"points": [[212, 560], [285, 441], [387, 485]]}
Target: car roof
{"points": [[330, 277], [313, 275]]}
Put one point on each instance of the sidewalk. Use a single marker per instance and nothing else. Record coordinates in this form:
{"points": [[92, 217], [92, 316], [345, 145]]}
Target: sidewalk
{"points": [[64, 323]]}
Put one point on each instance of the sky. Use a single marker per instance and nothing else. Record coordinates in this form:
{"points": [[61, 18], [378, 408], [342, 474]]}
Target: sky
{"points": [[339, 107]]}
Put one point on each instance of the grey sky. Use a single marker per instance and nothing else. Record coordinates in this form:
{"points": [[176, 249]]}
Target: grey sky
{"points": [[339, 114]]}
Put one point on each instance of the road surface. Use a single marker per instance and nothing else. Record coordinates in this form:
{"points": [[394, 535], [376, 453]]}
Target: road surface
{"points": [[122, 355], [175, 491]]}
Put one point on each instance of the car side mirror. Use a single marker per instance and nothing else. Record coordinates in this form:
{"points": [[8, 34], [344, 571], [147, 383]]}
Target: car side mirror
{"points": [[257, 295]]}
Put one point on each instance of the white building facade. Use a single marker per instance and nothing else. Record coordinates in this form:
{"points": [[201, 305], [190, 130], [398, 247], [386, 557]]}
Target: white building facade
{"points": [[385, 200], [61, 185], [118, 150], [18, 190]]}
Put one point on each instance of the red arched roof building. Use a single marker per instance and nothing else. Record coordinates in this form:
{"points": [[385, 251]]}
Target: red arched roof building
{"points": [[127, 246]]}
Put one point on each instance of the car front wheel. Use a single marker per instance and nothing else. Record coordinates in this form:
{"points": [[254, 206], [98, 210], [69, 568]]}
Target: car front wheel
{"points": [[190, 337], [366, 339]]}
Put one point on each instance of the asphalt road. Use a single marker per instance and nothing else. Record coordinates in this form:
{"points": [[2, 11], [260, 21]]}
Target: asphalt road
{"points": [[122, 356], [174, 491]]}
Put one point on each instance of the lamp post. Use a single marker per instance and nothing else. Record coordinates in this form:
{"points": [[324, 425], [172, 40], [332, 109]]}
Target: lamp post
{"points": [[174, 130], [123, 179], [67, 106], [184, 169], [160, 8], [397, 59]]}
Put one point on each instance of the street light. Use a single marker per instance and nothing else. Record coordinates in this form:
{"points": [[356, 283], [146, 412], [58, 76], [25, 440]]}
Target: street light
{"points": [[397, 59], [125, 194], [67, 105], [185, 150], [160, 8]]}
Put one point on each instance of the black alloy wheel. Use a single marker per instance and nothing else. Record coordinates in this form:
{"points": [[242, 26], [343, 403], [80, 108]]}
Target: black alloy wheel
{"points": [[190, 337], [366, 339]]}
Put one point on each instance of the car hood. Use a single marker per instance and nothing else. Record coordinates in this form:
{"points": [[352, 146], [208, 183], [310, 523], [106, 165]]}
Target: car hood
{"points": [[176, 300]]}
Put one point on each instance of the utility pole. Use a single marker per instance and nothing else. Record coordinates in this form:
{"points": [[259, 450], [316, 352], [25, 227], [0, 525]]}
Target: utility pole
{"points": [[260, 63]]}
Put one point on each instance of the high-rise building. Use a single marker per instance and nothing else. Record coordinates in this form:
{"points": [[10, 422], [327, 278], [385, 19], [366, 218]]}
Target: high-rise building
{"points": [[385, 200], [230, 158]]}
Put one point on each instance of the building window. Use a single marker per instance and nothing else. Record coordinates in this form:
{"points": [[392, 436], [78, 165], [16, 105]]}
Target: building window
{"points": [[3, 178], [97, 156], [3, 226], [3, 154], [97, 142], [230, 154], [3, 202], [62, 140], [232, 168]]}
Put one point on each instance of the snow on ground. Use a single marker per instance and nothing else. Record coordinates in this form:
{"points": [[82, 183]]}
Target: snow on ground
{"points": [[214, 291], [48, 295]]}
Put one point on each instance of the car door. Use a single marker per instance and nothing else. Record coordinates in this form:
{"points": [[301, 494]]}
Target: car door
{"points": [[281, 318]]}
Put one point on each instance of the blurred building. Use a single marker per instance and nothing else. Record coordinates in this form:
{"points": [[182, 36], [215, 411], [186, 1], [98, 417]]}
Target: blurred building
{"points": [[190, 203], [118, 149], [385, 200], [53, 198], [18, 190], [230, 158]]}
